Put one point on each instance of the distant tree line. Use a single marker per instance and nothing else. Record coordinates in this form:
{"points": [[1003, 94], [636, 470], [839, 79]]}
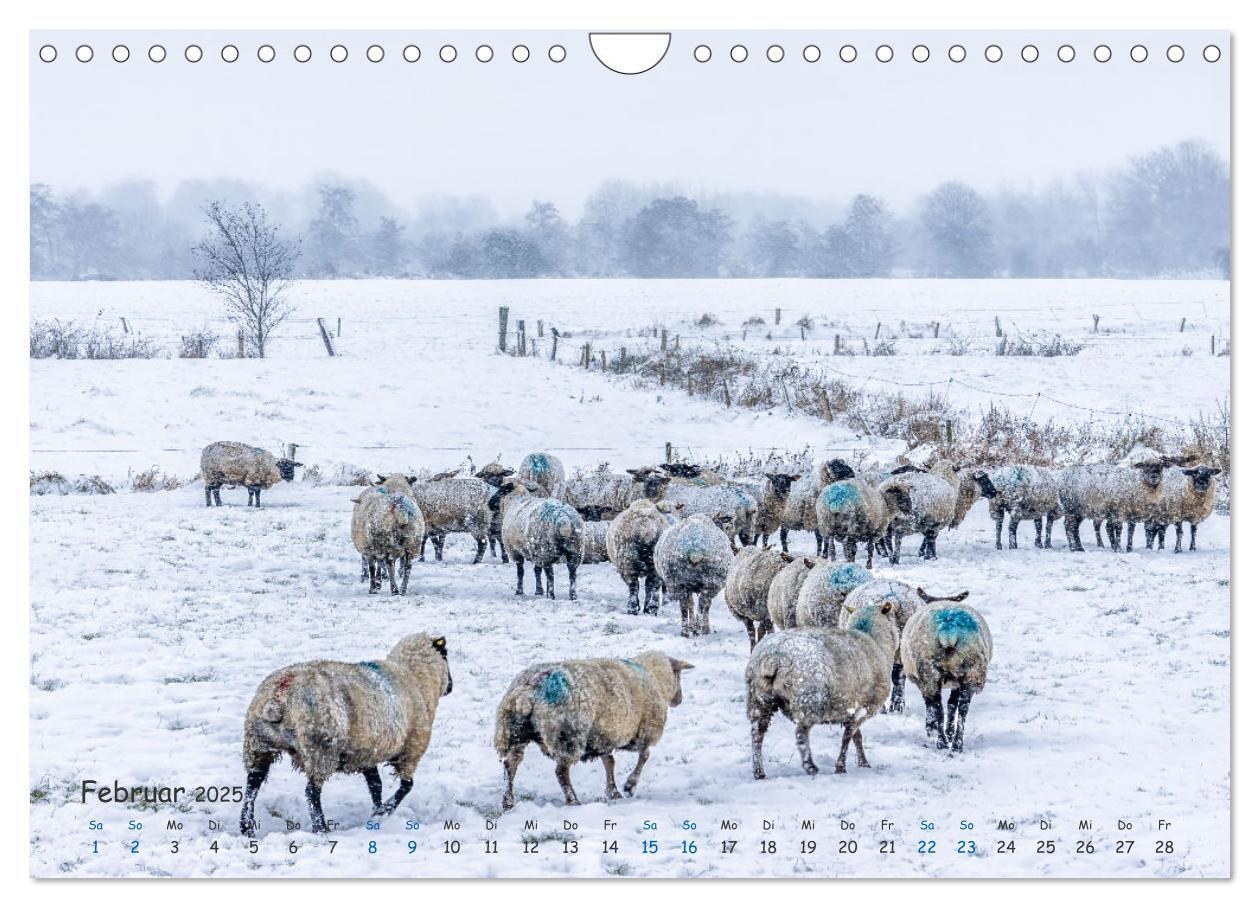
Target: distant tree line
{"points": [[1165, 213]]}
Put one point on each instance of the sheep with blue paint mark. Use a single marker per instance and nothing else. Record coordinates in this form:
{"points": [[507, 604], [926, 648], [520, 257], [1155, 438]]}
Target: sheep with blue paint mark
{"points": [[543, 531], [387, 527], [785, 589], [587, 709], [543, 470], [820, 602], [821, 675], [947, 646], [632, 537], [331, 717], [854, 511], [692, 558], [799, 512]]}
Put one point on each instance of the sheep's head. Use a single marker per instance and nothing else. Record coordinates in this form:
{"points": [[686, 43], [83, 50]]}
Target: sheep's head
{"points": [[1201, 477], [907, 468], [654, 485], [669, 508], [640, 474], [679, 666], [682, 470], [929, 598], [286, 468], [417, 650], [985, 484], [1151, 472], [494, 473], [781, 483], [898, 499], [835, 470]]}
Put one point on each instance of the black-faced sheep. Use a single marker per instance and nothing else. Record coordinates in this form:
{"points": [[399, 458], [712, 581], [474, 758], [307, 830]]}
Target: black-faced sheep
{"points": [[932, 503], [231, 463], [603, 494], [1118, 493], [692, 558], [543, 531], [494, 475], [821, 675], [1024, 492], [853, 511], [1186, 496], [350, 717], [454, 504], [947, 645], [584, 710]]}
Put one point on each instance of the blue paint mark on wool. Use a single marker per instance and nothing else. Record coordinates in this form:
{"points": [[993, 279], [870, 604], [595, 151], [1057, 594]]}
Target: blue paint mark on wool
{"points": [[373, 667], [634, 665], [554, 688], [405, 504], [538, 463], [554, 512], [863, 619], [847, 577], [955, 626], [840, 495]]}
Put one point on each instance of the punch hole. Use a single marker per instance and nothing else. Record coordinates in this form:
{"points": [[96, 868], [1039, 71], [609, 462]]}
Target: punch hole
{"points": [[266, 53], [1030, 53], [1138, 53], [229, 53], [811, 53], [739, 53], [192, 53], [957, 53], [848, 53], [375, 53], [556, 53], [1102, 53], [774, 53], [485, 53], [157, 53], [47, 53], [1067, 53], [83, 53], [447, 53], [993, 53], [338, 53], [520, 53], [302, 53], [1211, 53], [411, 53], [883, 53], [1175, 53], [920, 53], [702, 53], [121, 53]]}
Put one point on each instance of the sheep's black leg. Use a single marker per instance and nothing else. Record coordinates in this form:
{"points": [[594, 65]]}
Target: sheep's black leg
{"points": [[1194, 532], [702, 608], [610, 778], [894, 548], [510, 764], [844, 747], [439, 543], [935, 536], [393, 578], [1098, 532], [1049, 527], [759, 726], [566, 785], [997, 528], [257, 494], [923, 547], [1115, 532], [218, 502], [1149, 529], [207, 496], [520, 576], [870, 553], [424, 541], [363, 561], [1128, 545], [861, 751], [481, 550], [818, 542], [319, 825], [550, 573], [783, 538], [538, 586], [1072, 529], [254, 777], [652, 592], [752, 631], [802, 745], [404, 788], [964, 701], [1160, 534], [573, 566], [406, 574], [1037, 530], [1177, 547], [374, 574], [952, 711], [503, 550], [1012, 531], [935, 717], [632, 601], [897, 702], [373, 778], [632, 781], [685, 608]]}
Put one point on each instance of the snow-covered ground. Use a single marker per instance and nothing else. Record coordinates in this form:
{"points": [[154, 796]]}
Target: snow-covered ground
{"points": [[153, 619]]}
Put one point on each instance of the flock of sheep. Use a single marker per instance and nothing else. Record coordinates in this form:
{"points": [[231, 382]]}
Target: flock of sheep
{"points": [[830, 643]]}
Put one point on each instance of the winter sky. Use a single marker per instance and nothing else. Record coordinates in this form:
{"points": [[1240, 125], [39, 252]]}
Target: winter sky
{"points": [[512, 132]]}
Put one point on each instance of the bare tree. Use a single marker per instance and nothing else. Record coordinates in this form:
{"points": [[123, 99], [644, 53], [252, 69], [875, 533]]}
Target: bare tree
{"points": [[246, 262]]}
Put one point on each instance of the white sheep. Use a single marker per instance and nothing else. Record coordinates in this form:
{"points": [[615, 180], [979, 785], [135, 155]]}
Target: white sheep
{"points": [[817, 675], [543, 531], [231, 463], [748, 588], [1117, 493], [454, 504], [1186, 496], [932, 503], [632, 537], [785, 589], [1025, 492], [820, 602], [692, 558], [386, 528], [799, 510], [603, 494], [543, 470], [947, 645]]}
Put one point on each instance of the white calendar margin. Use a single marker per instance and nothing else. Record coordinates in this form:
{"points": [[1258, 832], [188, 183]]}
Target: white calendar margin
{"points": [[619, 15]]}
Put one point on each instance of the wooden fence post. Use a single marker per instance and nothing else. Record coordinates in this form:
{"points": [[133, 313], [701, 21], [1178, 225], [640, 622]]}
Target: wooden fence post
{"points": [[836, 350], [126, 327], [824, 403], [802, 332], [339, 326], [520, 337], [778, 315], [878, 325], [664, 339], [936, 329], [540, 328], [503, 323], [290, 451], [669, 453], [622, 357], [1182, 329], [1096, 318], [555, 342], [533, 346], [1213, 344], [997, 325], [726, 393], [323, 331], [603, 361]]}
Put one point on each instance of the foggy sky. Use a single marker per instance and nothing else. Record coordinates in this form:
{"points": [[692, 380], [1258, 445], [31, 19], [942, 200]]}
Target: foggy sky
{"points": [[514, 132]]}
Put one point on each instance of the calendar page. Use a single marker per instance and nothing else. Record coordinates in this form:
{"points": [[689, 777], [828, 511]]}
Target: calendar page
{"points": [[733, 454]]}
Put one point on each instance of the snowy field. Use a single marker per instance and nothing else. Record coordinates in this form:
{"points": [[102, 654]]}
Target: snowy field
{"points": [[153, 619]]}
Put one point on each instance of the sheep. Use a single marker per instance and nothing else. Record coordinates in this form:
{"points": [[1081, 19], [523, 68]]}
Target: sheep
{"points": [[1184, 498], [584, 709], [632, 537], [820, 602], [821, 675], [332, 717], [232, 463], [730, 506], [690, 474], [595, 541], [947, 645], [799, 512], [1024, 491], [543, 531], [854, 510], [692, 558], [932, 504], [387, 526], [454, 504], [905, 601], [748, 588], [603, 495], [494, 475], [772, 498], [1118, 493], [784, 590], [543, 470]]}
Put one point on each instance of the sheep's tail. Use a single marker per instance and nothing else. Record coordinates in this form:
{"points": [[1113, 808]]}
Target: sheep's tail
{"points": [[564, 527], [515, 717], [947, 638]]}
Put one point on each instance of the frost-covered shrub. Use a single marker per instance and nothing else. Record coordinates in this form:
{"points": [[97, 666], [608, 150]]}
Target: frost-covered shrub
{"points": [[53, 339], [707, 320], [1054, 345], [53, 483], [153, 480], [198, 344]]}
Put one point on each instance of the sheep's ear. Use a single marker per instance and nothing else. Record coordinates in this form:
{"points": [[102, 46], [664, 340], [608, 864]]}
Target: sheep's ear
{"points": [[1187, 472], [380, 480], [506, 472], [1213, 471], [809, 562], [923, 594], [411, 479], [886, 608], [796, 476], [439, 644], [679, 665]]}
